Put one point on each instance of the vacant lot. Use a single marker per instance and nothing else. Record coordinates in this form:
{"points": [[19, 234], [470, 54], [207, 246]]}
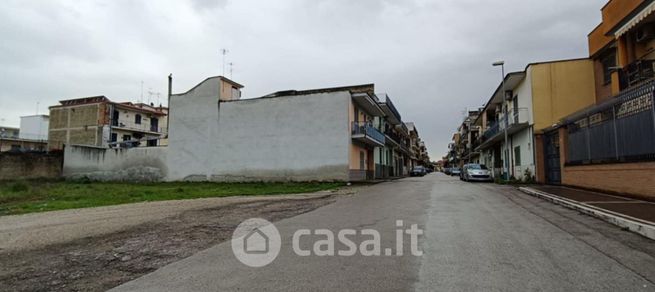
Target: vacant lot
{"points": [[19, 197], [100, 262]]}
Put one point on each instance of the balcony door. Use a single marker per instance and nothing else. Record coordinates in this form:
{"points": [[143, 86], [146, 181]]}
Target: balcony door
{"points": [[154, 125]]}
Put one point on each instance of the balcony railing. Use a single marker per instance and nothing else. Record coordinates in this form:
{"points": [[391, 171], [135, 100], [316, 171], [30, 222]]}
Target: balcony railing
{"points": [[636, 73], [367, 130], [513, 118], [395, 137]]}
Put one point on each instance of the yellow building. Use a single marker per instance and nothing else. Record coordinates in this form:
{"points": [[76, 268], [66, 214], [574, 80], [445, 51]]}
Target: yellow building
{"points": [[534, 100], [611, 146]]}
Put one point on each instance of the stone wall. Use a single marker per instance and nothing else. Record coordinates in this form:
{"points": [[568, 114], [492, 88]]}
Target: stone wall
{"points": [[30, 165]]}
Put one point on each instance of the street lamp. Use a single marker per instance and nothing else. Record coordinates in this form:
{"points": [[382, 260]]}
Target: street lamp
{"points": [[504, 109]]}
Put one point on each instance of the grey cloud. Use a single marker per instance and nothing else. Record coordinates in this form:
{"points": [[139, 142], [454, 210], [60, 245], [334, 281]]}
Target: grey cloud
{"points": [[432, 57]]}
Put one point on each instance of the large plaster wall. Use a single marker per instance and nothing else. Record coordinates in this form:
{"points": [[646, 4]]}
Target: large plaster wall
{"points": [[291, 138]]}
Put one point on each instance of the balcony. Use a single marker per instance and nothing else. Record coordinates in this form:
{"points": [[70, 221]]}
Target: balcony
{"points": [[390, 111], [404, 148], [152, 129], [392, 138], [636, 73], [365, 132], [515, 121]]}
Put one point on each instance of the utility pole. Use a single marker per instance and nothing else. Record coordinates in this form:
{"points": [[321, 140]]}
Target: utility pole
{"points": [[506, 163]]}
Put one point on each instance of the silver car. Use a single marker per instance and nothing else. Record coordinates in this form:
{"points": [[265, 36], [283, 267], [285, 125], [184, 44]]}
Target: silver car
{"points": [[476, 172]]}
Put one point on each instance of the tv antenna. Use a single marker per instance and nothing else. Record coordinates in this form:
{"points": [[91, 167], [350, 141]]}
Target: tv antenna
{"points": [[151, 93], [224, 53]]}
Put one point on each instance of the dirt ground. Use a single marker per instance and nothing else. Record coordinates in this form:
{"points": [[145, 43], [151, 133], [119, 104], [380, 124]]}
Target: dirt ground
{"points": [[103, 261]]}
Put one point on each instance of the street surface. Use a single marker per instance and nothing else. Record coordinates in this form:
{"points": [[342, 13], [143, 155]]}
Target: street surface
{"points": [[477, 237]]}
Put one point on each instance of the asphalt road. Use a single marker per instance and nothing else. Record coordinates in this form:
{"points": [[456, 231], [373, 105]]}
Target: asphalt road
{"points": [[477, 237]]}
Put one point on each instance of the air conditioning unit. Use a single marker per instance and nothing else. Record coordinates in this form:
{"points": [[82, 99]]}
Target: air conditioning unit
{"points": [[646, 33]]}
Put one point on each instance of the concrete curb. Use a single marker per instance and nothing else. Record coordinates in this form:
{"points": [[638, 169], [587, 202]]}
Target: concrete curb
{"points": [[642, 227]]}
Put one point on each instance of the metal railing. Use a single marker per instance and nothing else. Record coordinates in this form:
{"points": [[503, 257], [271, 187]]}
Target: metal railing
{"points": [[514, 117], [367, 129], [393, 136], [392, 107], [636, 73], [621, 130]]}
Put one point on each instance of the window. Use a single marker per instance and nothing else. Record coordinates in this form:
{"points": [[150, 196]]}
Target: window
{"points": [[114, 118], [137, 119], [152, 143], [608, 61], [517, 155], [114, 137], [127, 137]]}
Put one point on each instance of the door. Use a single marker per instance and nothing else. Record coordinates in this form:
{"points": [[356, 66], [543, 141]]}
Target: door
{"points": [[552, 158], [154, 125]]}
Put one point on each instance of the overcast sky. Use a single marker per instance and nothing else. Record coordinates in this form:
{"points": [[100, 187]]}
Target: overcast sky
{"points": [[433, 58]]}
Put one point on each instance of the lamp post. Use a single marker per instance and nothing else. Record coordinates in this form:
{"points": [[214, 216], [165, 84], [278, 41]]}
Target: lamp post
{"points": [[504, 110]]}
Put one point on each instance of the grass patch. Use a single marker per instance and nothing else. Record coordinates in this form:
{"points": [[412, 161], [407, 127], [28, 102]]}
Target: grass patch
{"points": [[19, 197]]}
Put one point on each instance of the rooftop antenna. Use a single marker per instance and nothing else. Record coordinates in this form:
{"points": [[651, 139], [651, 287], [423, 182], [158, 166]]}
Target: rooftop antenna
{"points": [[224, 53], [141, 91], [231, 69], [151, 93]]}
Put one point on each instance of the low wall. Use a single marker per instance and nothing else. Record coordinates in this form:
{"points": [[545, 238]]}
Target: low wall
{"points": [[143, 164], [635, 179], [30, 165]]}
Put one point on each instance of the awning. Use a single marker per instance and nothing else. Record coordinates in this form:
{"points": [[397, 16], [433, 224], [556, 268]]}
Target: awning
{"points": [[647, 11]]}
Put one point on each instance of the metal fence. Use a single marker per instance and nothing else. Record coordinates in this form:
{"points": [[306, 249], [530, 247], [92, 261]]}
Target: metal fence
{"points": [[619, 131]]}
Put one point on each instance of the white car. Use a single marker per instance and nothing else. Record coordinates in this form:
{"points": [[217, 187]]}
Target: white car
{"points": [[476, 172]]}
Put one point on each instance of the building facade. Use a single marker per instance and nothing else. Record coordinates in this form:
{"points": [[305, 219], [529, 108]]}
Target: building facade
{"points": [[534, 100], [330, 134], [610, 146], [97, 121]]}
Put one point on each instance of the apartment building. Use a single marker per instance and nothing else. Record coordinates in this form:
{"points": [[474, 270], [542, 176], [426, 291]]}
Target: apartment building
{"points": [[611, 146], [534, 100], [98, 121], [390, 158], [464, 140]]}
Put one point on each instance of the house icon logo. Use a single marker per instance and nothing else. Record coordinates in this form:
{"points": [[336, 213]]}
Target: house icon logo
{"points": [[256, 242]]}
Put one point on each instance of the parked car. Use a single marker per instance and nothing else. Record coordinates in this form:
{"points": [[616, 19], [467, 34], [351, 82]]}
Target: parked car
{"points": [[476, 172], [446, 170], [455, 171], [418, 171]]}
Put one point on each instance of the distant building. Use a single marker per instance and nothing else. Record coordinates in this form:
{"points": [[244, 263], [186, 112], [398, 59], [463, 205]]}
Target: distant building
{"points": [[98, 121], [13, 139], [34, 127]]}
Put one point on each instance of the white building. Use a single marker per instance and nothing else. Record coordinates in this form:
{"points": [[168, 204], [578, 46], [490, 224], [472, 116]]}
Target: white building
{"points": [[34, 127]]}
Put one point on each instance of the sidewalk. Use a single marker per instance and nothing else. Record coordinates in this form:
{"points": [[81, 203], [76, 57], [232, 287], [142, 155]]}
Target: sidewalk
{"points": [[635, 215]]}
